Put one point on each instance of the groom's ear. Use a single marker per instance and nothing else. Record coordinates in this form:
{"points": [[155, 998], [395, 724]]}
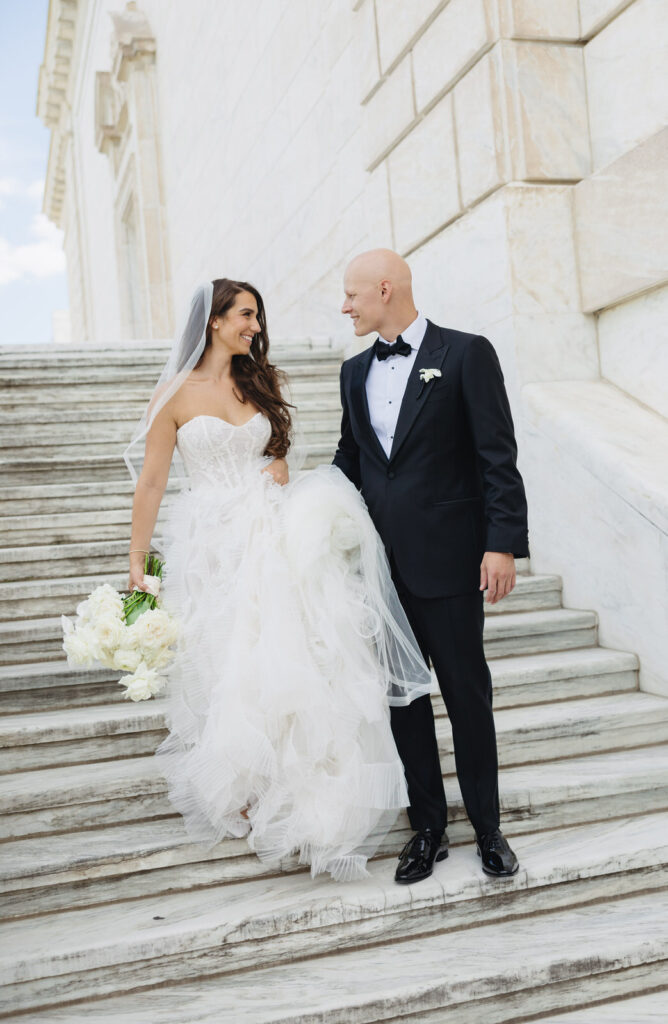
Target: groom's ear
{"points": [[385, 290]]}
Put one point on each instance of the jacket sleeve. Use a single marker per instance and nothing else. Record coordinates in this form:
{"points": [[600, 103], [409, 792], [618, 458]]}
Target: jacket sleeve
{"points": [[347, 456], [491, 423]]}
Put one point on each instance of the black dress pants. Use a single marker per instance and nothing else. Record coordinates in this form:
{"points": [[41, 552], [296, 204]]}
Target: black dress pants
{"points": [[449, 631]]}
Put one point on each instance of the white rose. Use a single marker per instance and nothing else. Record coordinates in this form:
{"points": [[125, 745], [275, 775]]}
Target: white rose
{"points": [[126, 659], [154, 630], [110, 630], [104, 599], [143, 684], [81, 647], [85, 610], [159, 659]]}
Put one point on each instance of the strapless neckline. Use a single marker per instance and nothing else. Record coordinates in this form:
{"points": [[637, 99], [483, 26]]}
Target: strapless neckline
{"points": [[209, 416]]}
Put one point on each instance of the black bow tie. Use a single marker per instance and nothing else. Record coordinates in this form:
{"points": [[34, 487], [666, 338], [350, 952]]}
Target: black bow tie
{"points": [[399, 348]]}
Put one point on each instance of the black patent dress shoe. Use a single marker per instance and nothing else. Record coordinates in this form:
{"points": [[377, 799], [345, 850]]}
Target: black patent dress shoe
{"points": [[497, 857], [416, 860]]}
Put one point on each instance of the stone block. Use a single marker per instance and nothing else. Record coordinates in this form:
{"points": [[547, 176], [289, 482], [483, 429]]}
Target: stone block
{"points": [[377, 216], [398, 23], [543, 269], [366, 49], [594, 14], [621, 217], [423, 178], [626, 66], [539, 19], [389, 113], [461, 276], [555, 346], [547, 111], [453, 42], [600, 457], [479, 119], [634, 348]]}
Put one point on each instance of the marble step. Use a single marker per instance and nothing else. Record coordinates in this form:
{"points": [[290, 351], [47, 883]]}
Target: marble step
{"points": [[518, 680], [647, 1009], [44, 561], [541, 795], [325, 438], [83, 397], [574, 728], [153, 353], [531, 734], [109, 524], [55, 498], [31, 469], [254, 932], [13, 356], [556, 629], [45, 596], [324, 432], [104, 435], [60, 595], [537, 632], [113, 376], [498, 973], [53, 684], [40, 874], [107, 416]]}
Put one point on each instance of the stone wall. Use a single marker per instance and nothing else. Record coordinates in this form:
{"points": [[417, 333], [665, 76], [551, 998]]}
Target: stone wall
{"points": [[514, 150]]}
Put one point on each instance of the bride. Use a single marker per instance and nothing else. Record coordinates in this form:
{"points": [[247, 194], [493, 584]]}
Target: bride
{"points": [[293, 642]]}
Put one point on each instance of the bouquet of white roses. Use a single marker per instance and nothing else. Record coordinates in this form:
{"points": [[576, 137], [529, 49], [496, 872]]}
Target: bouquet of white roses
{"points": [[132, 634]]}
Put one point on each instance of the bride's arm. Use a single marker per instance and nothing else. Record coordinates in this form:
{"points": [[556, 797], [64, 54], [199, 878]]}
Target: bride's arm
{"points": [[150, 488]]}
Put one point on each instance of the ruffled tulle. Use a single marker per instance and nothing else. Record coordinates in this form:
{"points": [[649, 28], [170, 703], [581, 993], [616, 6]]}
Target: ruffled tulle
{"points": [[293, 644]]}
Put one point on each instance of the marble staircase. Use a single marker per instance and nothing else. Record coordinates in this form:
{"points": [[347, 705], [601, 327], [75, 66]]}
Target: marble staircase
{"points": [[110, 912]]}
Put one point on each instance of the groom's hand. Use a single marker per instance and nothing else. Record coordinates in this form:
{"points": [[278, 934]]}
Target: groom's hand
{"points": [[497, 575]]}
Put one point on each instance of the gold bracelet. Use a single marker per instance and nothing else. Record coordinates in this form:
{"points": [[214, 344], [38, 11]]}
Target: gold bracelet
{"points": [[132, 551]]}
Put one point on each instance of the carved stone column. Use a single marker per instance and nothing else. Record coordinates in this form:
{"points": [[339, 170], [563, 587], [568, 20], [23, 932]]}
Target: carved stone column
{"points": [[128, 132]]}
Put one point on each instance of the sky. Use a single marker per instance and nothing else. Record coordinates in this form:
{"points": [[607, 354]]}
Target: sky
{"points": [[32, 263]]}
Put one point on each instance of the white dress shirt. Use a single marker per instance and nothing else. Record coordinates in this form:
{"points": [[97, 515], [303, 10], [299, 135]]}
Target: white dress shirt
{"points": [[386, 382]]}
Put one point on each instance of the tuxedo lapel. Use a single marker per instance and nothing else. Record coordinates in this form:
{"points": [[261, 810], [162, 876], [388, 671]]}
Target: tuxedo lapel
{"points": [[430, 355], [360, 403]]}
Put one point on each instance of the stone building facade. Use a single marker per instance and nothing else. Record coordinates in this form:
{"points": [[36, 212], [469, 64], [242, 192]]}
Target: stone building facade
{"points": [[515, 151]]}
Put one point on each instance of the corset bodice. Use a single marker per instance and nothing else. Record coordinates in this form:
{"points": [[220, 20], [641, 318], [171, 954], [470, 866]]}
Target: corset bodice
{"points": [[217, 452]]}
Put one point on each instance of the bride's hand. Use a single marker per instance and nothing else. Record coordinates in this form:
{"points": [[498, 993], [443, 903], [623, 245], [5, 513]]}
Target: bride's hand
{"points": [[279, 470], [136, 577]]}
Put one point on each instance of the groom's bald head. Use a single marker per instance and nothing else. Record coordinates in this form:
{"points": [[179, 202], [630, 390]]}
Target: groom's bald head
{"points": [[379, 293]]}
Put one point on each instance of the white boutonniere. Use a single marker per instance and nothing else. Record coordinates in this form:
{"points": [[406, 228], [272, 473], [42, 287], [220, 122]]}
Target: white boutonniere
{"points": [[427, 375]]}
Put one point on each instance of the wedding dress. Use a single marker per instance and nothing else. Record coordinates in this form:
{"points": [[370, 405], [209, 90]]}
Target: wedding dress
{"points": [[292, 645]]}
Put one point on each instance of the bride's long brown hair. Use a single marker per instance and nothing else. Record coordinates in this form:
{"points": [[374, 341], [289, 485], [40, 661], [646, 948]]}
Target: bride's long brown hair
{"points": [[255, 378]]}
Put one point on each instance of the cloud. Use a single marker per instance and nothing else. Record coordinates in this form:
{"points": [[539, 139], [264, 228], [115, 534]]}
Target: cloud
{"points": [[8, 186], [14, 188], [42, 257]]}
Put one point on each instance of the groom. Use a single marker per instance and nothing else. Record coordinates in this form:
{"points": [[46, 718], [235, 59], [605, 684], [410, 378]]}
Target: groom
{"points": [[433, 454]]}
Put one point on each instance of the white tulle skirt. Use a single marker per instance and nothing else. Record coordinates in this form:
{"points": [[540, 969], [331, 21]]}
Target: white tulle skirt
{"points": [[293, 646]]}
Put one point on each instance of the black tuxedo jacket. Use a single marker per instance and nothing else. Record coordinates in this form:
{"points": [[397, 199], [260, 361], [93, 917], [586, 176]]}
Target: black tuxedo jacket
{"points": [[450, 489]]}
